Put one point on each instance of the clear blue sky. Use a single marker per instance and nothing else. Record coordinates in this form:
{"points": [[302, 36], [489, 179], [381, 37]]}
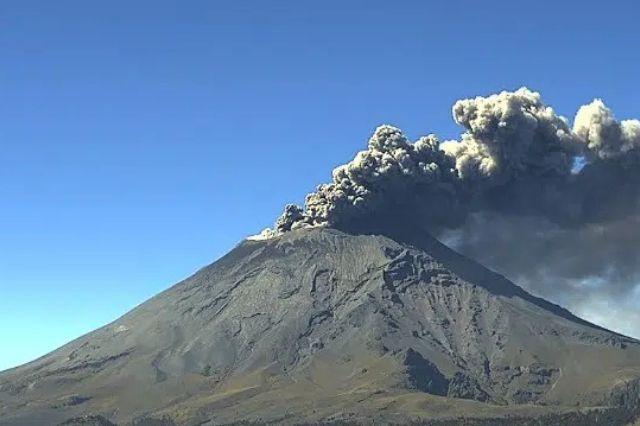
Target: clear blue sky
{"points": [[141, 140]]}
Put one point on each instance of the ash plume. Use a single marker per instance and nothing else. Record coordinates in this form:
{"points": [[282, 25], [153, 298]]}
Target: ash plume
{"points": [[392, 170], [604, 136], [510, 135], [507, 193]]}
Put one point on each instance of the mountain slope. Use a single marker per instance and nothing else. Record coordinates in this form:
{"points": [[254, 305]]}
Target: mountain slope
{"points": [[321, 324]]}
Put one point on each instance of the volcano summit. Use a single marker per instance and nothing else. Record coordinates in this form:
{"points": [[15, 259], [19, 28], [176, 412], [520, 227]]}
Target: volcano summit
{"points": [[352, 310], [319, 324]]}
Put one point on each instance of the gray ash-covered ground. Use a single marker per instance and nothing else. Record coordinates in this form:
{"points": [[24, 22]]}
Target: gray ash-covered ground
{"points": [[320, 325]]}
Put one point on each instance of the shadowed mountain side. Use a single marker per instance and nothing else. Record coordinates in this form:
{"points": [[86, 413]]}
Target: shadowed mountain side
{"points": [[462, 266], [319, 324]]}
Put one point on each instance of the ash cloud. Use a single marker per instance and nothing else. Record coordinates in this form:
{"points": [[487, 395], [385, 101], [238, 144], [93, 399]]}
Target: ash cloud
{"points": [[392, 171], [604, 136], [592, 269], [508, 194], [510, 135]]}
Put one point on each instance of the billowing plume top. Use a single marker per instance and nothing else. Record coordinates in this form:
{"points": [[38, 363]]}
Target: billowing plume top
{"points": [[389, 171], [510, 134], [604, 136], [513, 144]]}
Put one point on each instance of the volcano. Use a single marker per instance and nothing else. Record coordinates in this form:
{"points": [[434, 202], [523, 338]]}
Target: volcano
{"points": [[324, 325]]}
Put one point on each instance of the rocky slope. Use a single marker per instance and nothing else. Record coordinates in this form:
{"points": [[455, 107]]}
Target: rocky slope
{"points": [[323, 325]]}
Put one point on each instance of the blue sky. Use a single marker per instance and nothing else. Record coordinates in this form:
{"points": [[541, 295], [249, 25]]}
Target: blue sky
{"points": [[141, 140]]}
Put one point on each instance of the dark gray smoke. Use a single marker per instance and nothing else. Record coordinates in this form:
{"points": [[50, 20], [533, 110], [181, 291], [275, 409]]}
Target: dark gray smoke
{"points": [[390, 171], [555, 207], [509, 136]]}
